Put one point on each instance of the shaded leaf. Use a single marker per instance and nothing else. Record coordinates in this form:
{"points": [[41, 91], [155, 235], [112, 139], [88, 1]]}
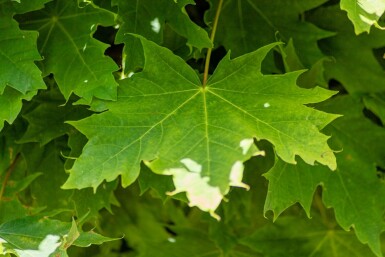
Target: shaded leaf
{"points": [[75, 58], [47, 120], [355, 66], [293, 236], [11, 104], [148, 18], [247, 25], [18, 52]]}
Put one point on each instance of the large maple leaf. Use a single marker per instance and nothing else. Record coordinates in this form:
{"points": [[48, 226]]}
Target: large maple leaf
{"points": [[200, 135]]}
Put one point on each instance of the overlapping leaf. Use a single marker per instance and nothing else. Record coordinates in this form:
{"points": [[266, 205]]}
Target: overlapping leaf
{"points": [[354, 190], [355, 65], [201, 136], [41, 237], [11, 104], [46, 162], [247, 25], [18, 71], [70, 53], [293, 236], [47, 120], [149, 18], [363, 13]]}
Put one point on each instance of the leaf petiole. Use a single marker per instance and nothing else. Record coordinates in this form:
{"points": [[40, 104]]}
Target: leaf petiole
{"points": [[212, 36]]}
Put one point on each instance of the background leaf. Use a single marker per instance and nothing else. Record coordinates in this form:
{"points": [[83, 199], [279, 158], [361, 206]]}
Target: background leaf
{"points": [[69, 51]]}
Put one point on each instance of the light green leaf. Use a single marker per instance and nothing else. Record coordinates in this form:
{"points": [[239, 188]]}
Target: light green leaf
{"points": [[41, 237], [354, 190], [148, 18], [363, 13], [201, 136], [75, 58]]}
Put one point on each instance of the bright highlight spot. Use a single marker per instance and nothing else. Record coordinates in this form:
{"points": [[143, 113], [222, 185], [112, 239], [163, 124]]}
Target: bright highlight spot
{"points": [[236, 175], [245, 144], [49, 244], [192, 165], [266, 105], [155, 25], [171, 240]]}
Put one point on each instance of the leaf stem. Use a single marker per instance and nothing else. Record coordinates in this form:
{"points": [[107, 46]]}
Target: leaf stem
{"points": [[212, 36], [7, 176]]}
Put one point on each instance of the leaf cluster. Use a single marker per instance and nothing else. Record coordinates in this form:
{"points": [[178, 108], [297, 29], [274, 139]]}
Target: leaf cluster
{"points": [[119, 137]]}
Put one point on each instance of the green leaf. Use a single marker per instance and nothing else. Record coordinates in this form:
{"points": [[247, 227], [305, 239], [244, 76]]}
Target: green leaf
{"points": [[17, 55], [148, 18], [293, 236], [353, 190], [28, 6], [20, 78], [11, 104], [41, 237], [289, 184], [363, 13], [70, 53], [376, 104], [354, 66], [47, 159], [199, 135], [47, 120], [247, 25]]}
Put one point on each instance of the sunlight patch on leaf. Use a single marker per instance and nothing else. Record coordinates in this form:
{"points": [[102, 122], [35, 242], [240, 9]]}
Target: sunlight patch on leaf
{"points": [[49, 244], [155, 25], [363, 13]]}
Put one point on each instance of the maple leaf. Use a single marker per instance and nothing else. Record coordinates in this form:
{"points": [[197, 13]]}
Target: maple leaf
{"points": [[368, 75], [299, 237], [18, 71], [199, 135], [41, 237], [70, 53], [255, 24], [376, 103], [11, 104], [47, 120], [149, 18], [363, 13], [354, 190]]}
